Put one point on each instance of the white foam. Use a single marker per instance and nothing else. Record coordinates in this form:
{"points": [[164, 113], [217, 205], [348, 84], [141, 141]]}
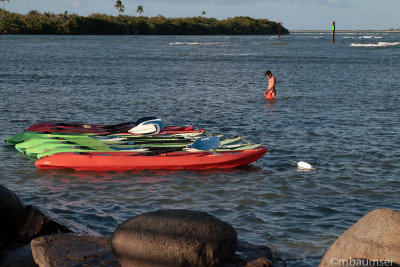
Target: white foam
{"points": [[195, 43], [379, 44], [240, 54], [370, 37], [362, 37]]}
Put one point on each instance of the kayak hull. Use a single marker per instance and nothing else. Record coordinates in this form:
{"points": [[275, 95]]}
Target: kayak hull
{"points": [[123, 161]]}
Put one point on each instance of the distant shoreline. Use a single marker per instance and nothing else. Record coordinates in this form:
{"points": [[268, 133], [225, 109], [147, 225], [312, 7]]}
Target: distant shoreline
{"points": [[102, 24]]}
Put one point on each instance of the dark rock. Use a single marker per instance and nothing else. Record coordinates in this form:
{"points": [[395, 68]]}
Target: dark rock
{"points": [[19, 257], [174, 238], [375, 237], [260, 262], [252, 255], [72, 250], [11, 209], [35, 222], [251, 252]]}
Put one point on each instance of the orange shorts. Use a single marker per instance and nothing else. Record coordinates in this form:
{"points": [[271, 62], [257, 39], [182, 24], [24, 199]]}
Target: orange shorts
{"points": [[270, 95]]}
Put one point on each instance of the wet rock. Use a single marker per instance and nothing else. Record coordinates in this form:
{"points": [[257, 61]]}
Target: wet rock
{"points": [[260, 262], [19, 257], [11, 209], [35, 222], [174, 238], [251, 255], [72, 250], [375, 237]]}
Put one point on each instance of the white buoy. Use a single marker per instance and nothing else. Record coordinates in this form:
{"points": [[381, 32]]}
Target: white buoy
{"points": [[304, 165]]}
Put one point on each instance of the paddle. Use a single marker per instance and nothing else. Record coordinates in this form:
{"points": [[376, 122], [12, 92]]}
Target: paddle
{"points": [[205, 143], [159, 138], [148, 127], [116, 127], [123, 126], [144, 119]]}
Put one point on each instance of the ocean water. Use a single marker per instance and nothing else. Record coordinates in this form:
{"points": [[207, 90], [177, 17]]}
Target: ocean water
{"points": [[337, 108]]}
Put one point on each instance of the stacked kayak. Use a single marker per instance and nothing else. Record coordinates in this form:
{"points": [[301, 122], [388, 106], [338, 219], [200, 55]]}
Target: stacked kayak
{"points": [[118, 161], [144, 144]]}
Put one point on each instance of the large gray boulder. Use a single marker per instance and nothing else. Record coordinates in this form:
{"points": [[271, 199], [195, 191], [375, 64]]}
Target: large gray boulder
{"points": [[11, 208], [375, 237], [71, 250], [174, 238]]}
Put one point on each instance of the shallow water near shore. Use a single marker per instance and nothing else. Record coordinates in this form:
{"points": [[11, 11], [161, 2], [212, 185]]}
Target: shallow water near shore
{"points": [[337, 108]]}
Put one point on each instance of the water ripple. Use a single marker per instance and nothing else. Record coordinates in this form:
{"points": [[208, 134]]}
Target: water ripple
{"points": [[330, 112]]}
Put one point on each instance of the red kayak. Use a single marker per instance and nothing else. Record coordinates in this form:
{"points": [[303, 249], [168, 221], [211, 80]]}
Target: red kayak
{"points": [[46, 127], [49, 126], [125, 161]]}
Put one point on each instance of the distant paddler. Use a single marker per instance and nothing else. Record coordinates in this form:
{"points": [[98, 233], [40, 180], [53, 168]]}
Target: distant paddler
{"points": [[270, 93]]}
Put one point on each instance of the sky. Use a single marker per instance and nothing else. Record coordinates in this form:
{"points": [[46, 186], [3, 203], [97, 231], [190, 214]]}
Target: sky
{"points": [[295, 14]]}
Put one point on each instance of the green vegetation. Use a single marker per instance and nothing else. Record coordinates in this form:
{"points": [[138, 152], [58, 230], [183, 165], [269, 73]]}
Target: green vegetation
{"points": [[101, 24]]}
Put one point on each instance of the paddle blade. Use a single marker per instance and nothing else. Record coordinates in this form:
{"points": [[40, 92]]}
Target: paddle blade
{"points": [[148, 127], [144, 129], [144, 119], [158, 122], [206, 143]]}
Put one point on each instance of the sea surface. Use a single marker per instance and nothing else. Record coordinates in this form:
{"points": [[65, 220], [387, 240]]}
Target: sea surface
{"points": [[337, 108]]}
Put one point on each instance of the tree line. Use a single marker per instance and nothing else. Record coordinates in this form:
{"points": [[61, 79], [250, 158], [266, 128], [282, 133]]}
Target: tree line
{"points": [[101, 24]]}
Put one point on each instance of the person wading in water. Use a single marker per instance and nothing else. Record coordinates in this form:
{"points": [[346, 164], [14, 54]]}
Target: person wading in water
{"points": [[270, 93]]}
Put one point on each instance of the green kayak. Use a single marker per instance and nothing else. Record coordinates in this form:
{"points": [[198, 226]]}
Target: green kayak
{"points": [[101, 147], [25, 136], [79, 141], [225, 145]]}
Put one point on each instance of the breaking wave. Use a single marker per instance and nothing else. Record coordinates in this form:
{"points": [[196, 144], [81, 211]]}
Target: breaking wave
{"points": [[362, 37], [370, 37], [195, 43], [379, 44]]}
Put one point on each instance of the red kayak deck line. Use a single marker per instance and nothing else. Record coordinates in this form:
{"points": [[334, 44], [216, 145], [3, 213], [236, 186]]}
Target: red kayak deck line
{"points": [[123, 161]]}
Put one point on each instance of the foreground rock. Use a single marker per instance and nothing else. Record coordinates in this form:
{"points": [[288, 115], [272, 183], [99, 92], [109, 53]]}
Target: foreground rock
{"points": [[72, 250], [174, 238], [249, 255], [19, 224], [375, 237], [11, 209], [161, 238], [17, 257], [34, 223]]}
